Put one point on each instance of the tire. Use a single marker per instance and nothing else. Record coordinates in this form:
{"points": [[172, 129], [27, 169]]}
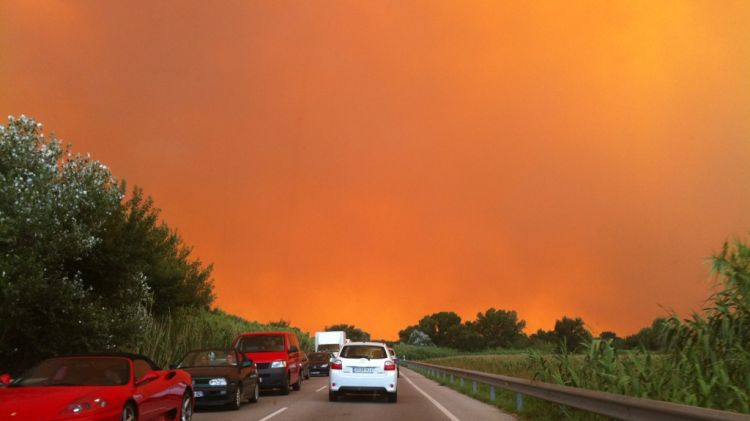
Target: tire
{"points": [[333, 396], [297, 386], [256, 394], [186, 407], [393, 397], [129, 413], [285, 387], [237, 402]]}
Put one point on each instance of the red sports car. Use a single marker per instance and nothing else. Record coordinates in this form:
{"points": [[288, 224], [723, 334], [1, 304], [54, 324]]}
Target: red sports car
{"points": [[93, 387]]}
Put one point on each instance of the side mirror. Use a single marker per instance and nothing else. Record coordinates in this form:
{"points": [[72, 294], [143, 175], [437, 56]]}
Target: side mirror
{"points": [[5, 379], [148, 377], [247, 363], [293, 349]]}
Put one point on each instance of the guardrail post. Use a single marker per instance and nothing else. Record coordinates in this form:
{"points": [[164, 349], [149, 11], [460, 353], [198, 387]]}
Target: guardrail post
{"points": [[492, 392], [462, 381], [474, 386], [519, 402], [451, 378]]}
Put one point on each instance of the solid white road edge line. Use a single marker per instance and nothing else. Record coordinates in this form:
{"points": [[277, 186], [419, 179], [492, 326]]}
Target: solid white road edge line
{"points": [[434, 402], [321, 388], [271, 415]]}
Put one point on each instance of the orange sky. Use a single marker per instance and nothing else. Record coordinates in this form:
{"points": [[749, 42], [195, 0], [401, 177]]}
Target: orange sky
{"points": [[556, 158]]}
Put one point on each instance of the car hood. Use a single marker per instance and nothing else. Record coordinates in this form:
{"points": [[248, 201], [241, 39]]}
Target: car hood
{"points": [[230, 372], [25, 403], [267, 357]]}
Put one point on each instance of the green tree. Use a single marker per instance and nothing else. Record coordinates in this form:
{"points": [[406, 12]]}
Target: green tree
{"points": [[651, 338], [499, 328], [81, 268], [353, 333], [54, 212], [405, 334], [571, 332], [442, 328]]}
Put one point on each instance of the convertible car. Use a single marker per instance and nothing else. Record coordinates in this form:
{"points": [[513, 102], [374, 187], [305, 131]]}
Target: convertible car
{"points": [[221, 377], [97, 387]]}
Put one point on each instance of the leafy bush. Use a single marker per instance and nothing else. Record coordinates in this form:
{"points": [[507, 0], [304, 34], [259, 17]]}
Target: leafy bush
{"points": [[54, 208]]}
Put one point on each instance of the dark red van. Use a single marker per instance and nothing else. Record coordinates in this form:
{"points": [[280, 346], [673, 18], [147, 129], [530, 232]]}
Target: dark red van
{"points": [[277, 356]]}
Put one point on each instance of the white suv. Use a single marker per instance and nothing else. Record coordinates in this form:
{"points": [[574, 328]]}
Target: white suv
{"points": [[363, 367]]}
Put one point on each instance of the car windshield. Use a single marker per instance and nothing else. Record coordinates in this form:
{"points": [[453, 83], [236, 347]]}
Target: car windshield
{"points": [[329, 347], [209, 358], [77, 371], [262, 343], [363, 351], [319, 357]]}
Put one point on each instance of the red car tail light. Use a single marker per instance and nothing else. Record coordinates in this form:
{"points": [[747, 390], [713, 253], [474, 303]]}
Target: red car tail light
{"points": [[389, 366], [337, 365]]}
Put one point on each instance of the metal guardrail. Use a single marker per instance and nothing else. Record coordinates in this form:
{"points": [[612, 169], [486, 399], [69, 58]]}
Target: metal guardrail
{"points": [[603, 403]]}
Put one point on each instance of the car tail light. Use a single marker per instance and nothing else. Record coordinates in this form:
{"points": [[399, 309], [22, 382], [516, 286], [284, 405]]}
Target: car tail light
{"points": [[389, 366], [337, 365]]}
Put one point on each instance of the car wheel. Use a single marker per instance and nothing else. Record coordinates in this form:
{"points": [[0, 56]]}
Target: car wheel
{"points": [[128, 413], [237, 402], [186, 408], [393, 397], [298, 385], [256, 394], [285, 387], [333, 396]]}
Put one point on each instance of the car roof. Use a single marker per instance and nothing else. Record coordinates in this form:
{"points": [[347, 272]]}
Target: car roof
{"points": [[270, 332], [366, 343]]}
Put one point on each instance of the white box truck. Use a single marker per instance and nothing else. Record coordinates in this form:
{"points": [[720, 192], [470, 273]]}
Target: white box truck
{"points": [[331, 341]]}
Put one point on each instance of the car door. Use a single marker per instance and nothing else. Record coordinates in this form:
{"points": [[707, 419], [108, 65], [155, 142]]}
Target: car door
{"points": [[294, 360], [150, 401], [248, 375]]}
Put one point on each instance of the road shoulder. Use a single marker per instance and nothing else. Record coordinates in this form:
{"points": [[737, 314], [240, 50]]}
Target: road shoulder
{"points": [[463, 407]]}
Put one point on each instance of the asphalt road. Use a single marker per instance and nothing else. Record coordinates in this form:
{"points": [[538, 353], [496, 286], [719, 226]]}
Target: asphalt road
{"points": [[418, 399]]}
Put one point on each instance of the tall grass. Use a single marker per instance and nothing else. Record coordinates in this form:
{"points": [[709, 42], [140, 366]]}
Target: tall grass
{"points": [[168, 338], [707, 357]]}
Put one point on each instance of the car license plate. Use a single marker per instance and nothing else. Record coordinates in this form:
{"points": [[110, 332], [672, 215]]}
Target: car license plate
{"points": [[363, 369], [198, 393]]}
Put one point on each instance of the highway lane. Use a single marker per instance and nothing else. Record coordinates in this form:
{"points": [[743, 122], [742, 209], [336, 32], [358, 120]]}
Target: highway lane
{"points": [[418, 399]]}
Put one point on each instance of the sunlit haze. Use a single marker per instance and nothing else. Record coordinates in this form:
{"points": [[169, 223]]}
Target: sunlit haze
{"points": [[372, 162]]}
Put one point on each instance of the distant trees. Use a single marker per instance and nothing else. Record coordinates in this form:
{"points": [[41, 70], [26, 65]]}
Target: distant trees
{"points": [[499, 328], [81, 268], [492, 329], [651, 338], [353, 333], [571, 332]]}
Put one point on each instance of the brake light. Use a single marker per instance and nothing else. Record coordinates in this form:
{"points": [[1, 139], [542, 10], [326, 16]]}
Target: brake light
{"points": [[337, 365], [389, 366]]}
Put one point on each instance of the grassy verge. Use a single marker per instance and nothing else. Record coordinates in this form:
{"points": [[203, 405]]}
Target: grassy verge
{"points": [[533, 409]]}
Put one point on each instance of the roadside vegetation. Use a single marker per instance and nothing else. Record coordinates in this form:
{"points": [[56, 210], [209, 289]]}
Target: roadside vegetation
{"points": [[702, 360], [87, 266]]}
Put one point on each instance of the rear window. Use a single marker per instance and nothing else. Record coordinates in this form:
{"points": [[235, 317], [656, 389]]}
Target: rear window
{"points": [[261, 343], [363, 351], [329, 347], [319, 357]]}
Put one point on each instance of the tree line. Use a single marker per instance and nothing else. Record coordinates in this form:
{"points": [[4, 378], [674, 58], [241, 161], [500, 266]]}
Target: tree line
{"points": [[85, 264], [496, 328]]}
